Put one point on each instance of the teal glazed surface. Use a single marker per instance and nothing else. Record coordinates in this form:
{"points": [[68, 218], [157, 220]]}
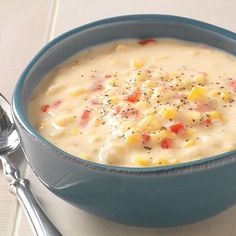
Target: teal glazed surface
{"points": [[147, 197]]}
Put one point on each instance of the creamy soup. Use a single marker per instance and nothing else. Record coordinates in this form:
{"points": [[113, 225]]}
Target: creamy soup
{"points": [[140, 103]]}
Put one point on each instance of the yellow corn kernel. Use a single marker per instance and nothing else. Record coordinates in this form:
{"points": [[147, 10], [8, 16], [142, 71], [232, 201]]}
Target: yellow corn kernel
{"points": [[142, 161], [64, 120], [150, 83], [114, 99], [189, 143], [226, 96], [215, 115], [55, 89], [150, 123], [168, 112], [132, 138], [76, 91], [136, 62], [73, 131], [201, 78], [197, 93], [193, 116], [121, 47], [161, 161]]}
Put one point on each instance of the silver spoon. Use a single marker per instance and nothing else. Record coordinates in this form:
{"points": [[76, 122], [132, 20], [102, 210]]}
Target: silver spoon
{"points": [[9, 142]]}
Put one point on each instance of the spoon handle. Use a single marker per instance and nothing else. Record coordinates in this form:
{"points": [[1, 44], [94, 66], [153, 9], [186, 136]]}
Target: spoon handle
{"points": [[41, 224]]}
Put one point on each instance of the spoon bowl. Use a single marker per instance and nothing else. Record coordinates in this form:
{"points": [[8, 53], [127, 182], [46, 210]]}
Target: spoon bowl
{"points": [[9, 139]]}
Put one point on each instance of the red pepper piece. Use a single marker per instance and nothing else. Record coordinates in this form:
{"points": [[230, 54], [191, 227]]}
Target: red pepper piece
{"points": [[177, 127], [134, 97], [85, 115], [166, 143], [44, 108], [146, 41], [146, 137], [207, 121]]}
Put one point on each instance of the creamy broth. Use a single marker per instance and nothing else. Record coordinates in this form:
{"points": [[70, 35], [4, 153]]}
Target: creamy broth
{"points": [[140, 103]]}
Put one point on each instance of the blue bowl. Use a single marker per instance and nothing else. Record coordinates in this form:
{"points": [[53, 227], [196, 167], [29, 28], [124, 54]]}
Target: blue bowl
{"points": [[148, 197]]}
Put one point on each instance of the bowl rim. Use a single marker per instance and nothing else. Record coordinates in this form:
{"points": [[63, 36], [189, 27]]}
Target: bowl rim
{"points": [[186, 167]]}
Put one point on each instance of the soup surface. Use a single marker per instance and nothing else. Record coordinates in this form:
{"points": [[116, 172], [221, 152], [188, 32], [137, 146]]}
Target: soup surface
{"points": [[140, 103]]}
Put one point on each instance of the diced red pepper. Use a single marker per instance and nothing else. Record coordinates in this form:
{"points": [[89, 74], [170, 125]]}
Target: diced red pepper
{"points": [[203, 107], [85, 115], [166, 143], [134, 97], [44, 108], [233, 84], [207, 121], [177, 127], [146, 137], [146, 41]]}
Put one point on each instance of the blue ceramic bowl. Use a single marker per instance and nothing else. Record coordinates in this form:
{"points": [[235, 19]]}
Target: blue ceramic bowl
{"points": [[148, 197]]}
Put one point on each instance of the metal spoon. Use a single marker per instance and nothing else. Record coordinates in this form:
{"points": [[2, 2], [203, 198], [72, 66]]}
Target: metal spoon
{"points": [[9, 142]]}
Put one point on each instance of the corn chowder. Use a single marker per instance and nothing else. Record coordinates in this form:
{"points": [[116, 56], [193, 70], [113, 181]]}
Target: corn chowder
{"points": [[140, 103]]}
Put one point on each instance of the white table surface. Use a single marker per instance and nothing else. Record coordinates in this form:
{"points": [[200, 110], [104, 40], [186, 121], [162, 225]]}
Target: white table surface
{"points": [[26, 25]]}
